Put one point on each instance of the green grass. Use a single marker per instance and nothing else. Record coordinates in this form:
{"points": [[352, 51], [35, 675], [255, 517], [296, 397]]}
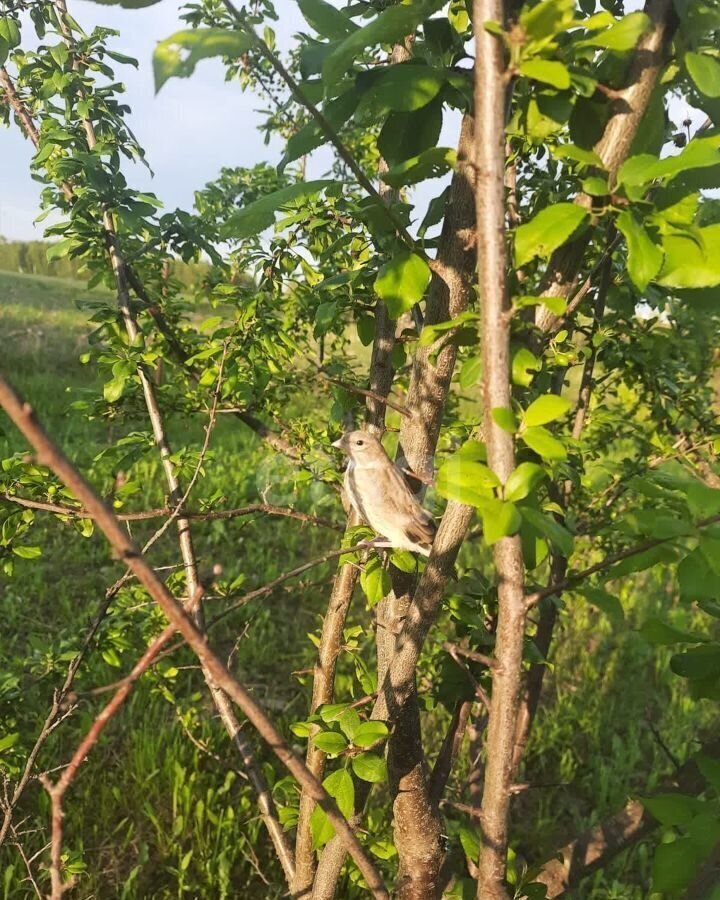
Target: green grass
{"points": [[149, 815]]}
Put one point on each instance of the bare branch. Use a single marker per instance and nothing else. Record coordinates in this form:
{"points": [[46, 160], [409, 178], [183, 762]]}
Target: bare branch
{"points": [[449, 750], [490, 87], [58, 790], [595, 848], [293, 573], [163, 511], [49, 454]]}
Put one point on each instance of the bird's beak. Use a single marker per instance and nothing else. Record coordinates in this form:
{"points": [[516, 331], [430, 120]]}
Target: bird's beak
{"points": [[338, 443]]}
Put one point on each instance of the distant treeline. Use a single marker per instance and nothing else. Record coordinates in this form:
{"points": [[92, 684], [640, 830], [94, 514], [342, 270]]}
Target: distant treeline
{"points": [[30, 258]]}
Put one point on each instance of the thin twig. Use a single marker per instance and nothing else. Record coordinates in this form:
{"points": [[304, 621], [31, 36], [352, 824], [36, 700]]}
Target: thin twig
{"points": [[162, 511], [575, 578], [293, 573], [58, 790]]}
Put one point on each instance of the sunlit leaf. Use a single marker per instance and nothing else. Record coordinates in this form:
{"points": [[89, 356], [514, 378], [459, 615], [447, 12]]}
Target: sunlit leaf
{"points": [[402, 281], [257, 216], [705, 72], [177, 56], [645, 258], [547, 231]]}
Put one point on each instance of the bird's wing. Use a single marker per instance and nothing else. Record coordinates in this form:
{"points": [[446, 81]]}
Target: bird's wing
{"points": [[418, 523]]}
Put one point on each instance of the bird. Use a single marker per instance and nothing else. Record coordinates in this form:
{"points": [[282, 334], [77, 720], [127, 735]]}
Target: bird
{"points": [[378, 493]]}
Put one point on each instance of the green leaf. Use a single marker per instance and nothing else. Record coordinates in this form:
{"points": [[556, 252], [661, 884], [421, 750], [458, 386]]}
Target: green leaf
{"points": [[432, 163], [331, 712], [466, 481], [547, 18], [375, 581], [337, 112], [403, 560], [544, 443], [595, 186], [349, 723], [702, 500], [697, 662], [545, 409], [60, 249], [621, 36], [556, 533], [524, 365], [548, 71], [710, 768], [405, 87], [692, 260], [113, 389], [705, 72], [370, 733], [655, 631], [9, 33], [523, 480], [547, 231], [370, 767], [25, 552], [673, 809], [675, 864], [326, 19], [330, 742], [392, 25], [408, 135], [500, 519], [606, 603], [320, 827], [171, 59], [505, 418], [341, 788], [386, 850], [401, 282], [257, 216], [7, 741], [641, 170], [645, 258]]}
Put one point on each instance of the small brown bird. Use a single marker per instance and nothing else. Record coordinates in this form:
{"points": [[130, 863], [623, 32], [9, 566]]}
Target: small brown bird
{"points": [[379, 494]]}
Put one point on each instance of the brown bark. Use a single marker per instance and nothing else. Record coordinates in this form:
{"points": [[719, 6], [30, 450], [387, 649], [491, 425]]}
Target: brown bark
{"points": [[507, 552]]}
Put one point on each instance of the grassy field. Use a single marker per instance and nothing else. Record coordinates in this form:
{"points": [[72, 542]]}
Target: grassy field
{"points": [[149, 816], [161, 810]]}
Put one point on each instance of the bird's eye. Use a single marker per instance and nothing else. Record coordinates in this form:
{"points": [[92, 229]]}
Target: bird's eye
{"points": [[359, 443]]}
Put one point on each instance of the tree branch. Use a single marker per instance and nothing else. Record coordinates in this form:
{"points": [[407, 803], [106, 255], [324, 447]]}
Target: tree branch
{"points": [[58, 790], [162, 512], [490, 93], [575, 578], [50, 455], [596, 847]]}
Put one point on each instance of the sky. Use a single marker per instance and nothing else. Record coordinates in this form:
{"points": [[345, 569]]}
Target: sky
{"points": [[190, 130]]}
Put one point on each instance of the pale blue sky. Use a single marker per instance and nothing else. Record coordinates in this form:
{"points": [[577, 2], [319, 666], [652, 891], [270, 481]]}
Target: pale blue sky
{"points": [[189, 130]]}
